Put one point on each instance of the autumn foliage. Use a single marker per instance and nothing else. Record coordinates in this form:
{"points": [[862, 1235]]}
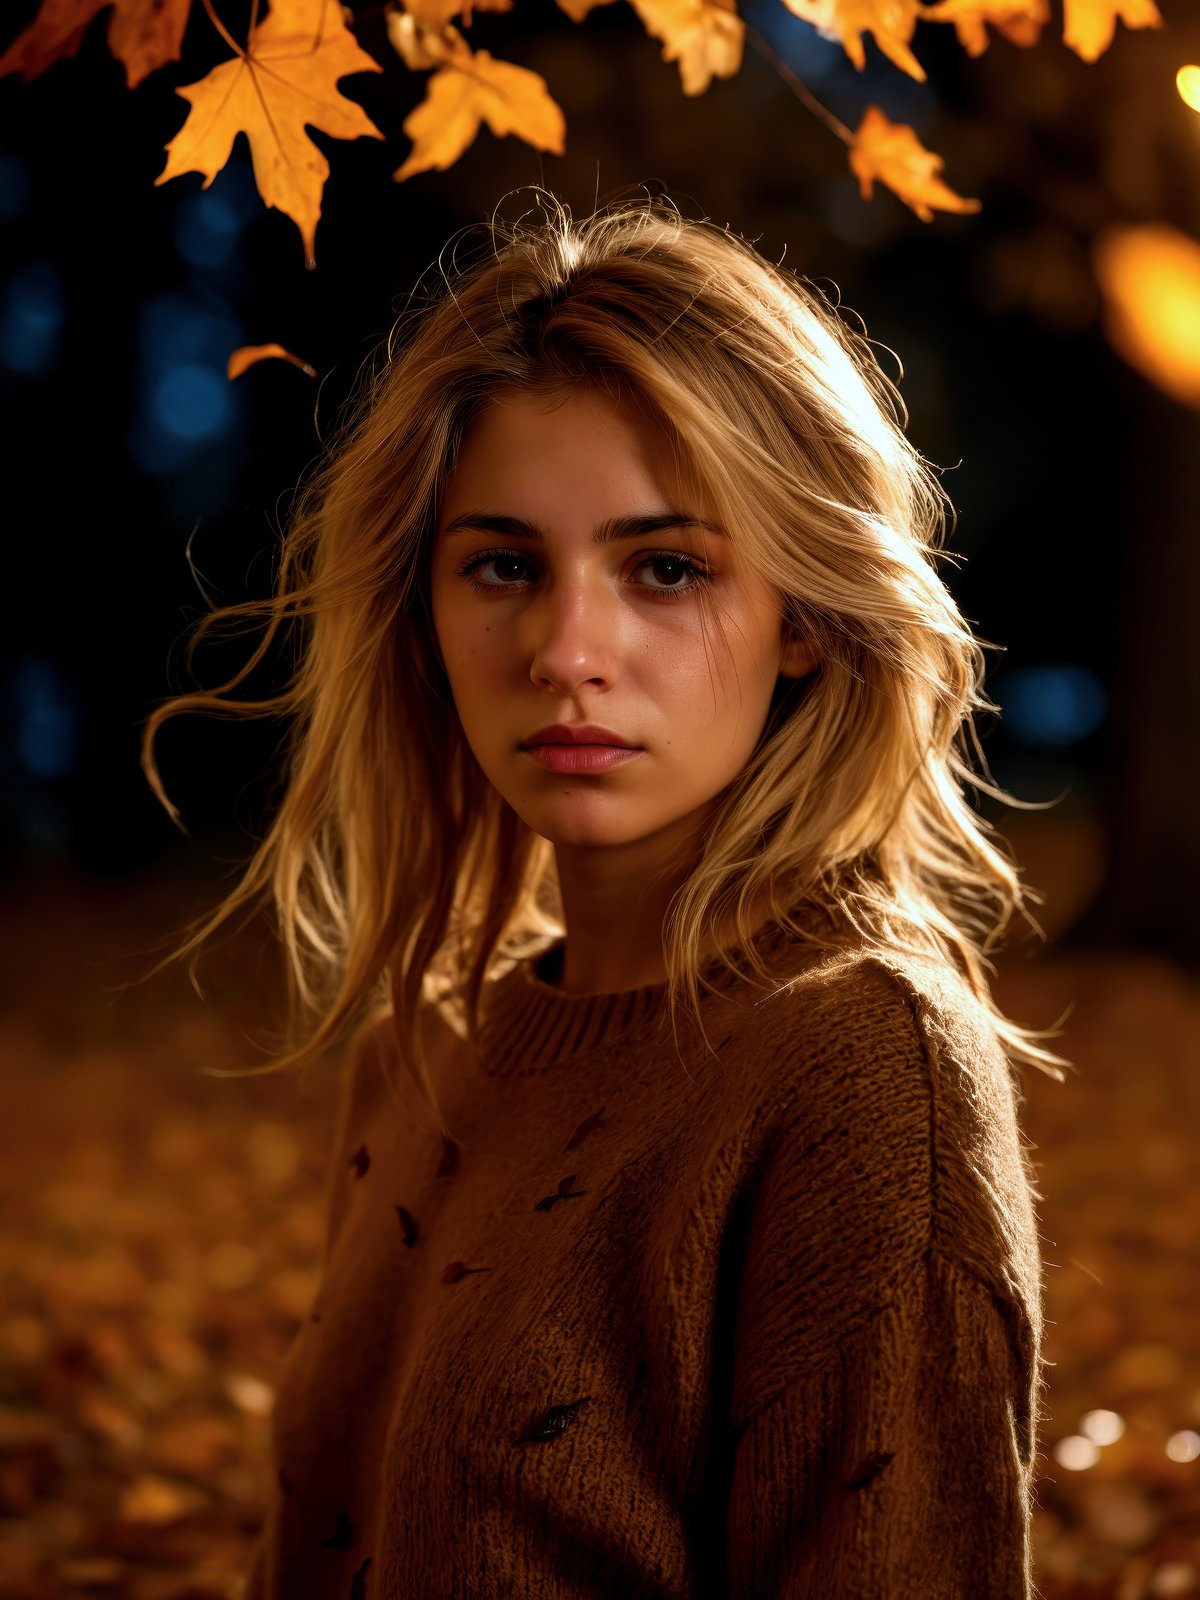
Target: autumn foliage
{"points": [[284, 75]]}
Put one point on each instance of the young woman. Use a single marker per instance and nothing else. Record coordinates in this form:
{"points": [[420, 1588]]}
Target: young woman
{"points": [[680, 1233]]}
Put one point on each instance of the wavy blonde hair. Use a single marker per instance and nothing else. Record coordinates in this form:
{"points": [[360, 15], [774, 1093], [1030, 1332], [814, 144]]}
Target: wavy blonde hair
{"points": [[395, 870]]}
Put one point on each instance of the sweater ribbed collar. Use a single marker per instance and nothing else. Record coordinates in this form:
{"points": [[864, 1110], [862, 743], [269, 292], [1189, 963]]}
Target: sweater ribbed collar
{"points": [[528, 1024]]}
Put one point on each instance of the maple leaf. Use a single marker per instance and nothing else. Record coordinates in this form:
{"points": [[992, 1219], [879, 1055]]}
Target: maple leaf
{"points": [[1020, 21], [434, 15], [422, 33], [142, 34], [247, 355], [471, 88], [286, 79], [845, 21], [704, 36], [578, 9], [892, 153], [1089, 25], [420, 48]]}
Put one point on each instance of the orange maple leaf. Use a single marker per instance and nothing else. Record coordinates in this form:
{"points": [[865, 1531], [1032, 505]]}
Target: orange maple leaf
{"points": [[1089, 25], [704, 36], [422, 34], [1020, 21], [142, 34], [578, 9], [248, 355], [845, 21], [470, 88], [420, 48], [892, 153], [435, 14], [286, 78]]}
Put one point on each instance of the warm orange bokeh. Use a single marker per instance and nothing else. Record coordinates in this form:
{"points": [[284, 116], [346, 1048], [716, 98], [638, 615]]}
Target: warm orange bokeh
{"points": [[1187, 81], [1150, 279]]}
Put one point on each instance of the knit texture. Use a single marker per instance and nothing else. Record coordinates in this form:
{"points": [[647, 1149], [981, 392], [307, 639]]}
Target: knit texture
{"points": [[665, 1324]]}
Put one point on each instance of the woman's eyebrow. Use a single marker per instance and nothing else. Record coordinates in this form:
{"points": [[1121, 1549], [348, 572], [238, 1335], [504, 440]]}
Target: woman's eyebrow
{"points": [[609, 532]]}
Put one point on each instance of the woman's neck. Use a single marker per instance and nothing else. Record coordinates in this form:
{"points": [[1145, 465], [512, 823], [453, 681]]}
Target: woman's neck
{"points": [[616, 978]]}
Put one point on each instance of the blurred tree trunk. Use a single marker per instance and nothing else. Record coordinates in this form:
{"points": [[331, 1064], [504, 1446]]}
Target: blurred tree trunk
{"points": [[1152, 895]]}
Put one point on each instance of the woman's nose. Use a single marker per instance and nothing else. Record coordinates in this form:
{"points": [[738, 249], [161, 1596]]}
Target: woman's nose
{"points": [[572, 635]]}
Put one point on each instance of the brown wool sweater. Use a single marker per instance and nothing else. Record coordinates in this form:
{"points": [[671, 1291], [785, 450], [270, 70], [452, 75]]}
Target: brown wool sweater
{"points": [[754, 1327]]}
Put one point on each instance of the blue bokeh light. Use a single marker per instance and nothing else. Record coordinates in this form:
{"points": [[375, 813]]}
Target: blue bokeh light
{"points": [[33, 315], [187, 404], [46, 715], [208, 225], [178, 327], [1052, 704], [192, 403], [206, 229], [16, 186]]}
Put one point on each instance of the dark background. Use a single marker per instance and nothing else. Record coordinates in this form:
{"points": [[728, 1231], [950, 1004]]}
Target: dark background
{"points": [[1073, 478]]}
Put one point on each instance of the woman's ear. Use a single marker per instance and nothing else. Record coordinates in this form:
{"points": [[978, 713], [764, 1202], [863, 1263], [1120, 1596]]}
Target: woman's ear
{"points": [[797, 658]]}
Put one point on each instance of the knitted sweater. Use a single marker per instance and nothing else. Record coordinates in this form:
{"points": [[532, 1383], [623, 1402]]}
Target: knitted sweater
{"points": [[753, 1325]]}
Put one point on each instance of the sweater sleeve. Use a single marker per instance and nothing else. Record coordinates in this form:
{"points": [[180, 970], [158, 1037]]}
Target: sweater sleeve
{"points": [[900, 1468]]}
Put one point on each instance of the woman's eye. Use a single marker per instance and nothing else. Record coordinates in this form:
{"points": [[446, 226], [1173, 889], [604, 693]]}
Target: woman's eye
{"points": [[672, 574], [498, 559], [671, 569]]}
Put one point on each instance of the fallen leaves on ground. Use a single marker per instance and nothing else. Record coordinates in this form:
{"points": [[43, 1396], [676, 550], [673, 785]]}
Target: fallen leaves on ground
{"points": [[160, 1235]]}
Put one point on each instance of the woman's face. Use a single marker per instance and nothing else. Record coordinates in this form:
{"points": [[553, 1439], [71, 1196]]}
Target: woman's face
{"points": [[565, 579]]}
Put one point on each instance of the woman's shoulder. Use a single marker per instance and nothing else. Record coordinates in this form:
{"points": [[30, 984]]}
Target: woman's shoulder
{"points": [[861, 1002], [894, 1057]]}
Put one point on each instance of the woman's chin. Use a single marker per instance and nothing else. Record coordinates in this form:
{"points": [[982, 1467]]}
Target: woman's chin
{"points": [[584, 832]]}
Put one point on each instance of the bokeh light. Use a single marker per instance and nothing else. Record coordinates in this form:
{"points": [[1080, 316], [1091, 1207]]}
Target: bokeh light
{"points": [[45, 716], [1076, 1453], [1054, 704], [206, 229], [193, 403], [1150, 278], [16, 186], [1187, 81], [33, 314], [1102, 1427]]}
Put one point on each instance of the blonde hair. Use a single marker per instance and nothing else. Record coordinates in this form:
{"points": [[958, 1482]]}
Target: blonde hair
{"points": [[393, 866]]}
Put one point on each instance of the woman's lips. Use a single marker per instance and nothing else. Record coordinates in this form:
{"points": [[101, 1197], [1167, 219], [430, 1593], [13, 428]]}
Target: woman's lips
{"points": [[577, 758]]}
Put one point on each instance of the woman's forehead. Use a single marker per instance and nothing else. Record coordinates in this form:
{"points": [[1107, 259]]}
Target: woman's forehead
{"points": [[520, 437]]}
